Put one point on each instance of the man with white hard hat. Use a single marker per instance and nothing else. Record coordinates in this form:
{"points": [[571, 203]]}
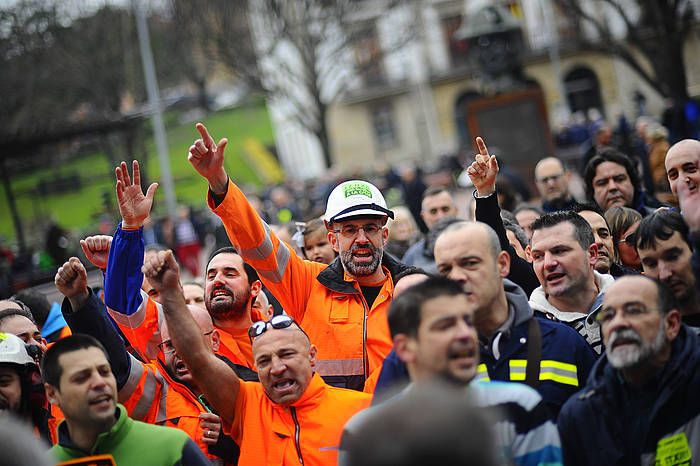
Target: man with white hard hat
{"points": [[342, 306]]}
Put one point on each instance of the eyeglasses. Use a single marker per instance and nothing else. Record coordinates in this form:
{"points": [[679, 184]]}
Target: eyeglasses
{"points": [[351, 231], [632, 310], [277, 322], [167, 347], [547, 179]]}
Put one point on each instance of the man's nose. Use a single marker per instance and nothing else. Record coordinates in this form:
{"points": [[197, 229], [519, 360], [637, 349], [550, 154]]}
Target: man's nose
{"points": [[458, 275], [550, 261], [665, 271], [277, 366]]}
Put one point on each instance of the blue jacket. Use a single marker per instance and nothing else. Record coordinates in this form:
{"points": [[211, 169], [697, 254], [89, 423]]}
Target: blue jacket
{"points": [[566, 357], [591, 424]]}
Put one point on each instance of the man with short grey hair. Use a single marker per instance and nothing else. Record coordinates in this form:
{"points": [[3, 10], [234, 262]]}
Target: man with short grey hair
{"points": [[639, 405]]}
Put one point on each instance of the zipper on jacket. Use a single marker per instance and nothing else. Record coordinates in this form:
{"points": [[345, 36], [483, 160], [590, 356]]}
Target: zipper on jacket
{"points": [[365, 356], [293, 410]]}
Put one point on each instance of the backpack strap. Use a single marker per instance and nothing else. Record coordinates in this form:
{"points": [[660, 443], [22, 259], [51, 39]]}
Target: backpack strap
{"points": [[534, 353]]}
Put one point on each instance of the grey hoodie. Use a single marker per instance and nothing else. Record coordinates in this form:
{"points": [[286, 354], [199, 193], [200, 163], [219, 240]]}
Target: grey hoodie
{"points": [[582, 322]]}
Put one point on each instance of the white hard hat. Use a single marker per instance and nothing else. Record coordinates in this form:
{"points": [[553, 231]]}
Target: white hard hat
{"points": [[14, 351], [355, 198]]}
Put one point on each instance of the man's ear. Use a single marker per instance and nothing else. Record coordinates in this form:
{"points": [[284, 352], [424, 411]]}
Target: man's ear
{"points": [[215, 340], [255, 288], [673, 324], [503, 262], [333, 240], [528, 253], [405, 347], [312, 355], [52, 394], [592, 254]]}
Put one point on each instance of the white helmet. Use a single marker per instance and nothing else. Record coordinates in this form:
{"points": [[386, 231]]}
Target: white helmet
{"points": [[355, 198], [14, 351]]}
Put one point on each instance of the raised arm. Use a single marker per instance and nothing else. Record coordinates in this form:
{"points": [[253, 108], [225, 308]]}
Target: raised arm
{"points": [[123, 275], [288, 277], [483, 173], [218, 381], [85, 313]]}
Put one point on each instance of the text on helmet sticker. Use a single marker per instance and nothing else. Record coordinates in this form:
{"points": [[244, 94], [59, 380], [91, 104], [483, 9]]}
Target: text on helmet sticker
{"points": [[352, 189]]}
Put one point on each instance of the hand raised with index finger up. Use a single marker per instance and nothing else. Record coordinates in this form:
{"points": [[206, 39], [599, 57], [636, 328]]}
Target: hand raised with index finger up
{"points": [[484, 170], [207, 158]]}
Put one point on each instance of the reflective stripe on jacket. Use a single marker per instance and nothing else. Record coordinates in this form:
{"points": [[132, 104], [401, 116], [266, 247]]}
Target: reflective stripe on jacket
{"points": [[352, 340], [150, 395]]}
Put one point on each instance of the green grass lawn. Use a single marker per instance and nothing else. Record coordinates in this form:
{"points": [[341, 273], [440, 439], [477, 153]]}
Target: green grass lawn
{"points": [[79, 210]]}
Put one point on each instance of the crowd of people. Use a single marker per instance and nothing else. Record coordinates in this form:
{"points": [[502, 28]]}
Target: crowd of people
{"points": [[457, 331]]}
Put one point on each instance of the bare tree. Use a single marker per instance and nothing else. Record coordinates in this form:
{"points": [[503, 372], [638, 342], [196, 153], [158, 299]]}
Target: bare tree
{"points": [[656, 30], [297, 52]]}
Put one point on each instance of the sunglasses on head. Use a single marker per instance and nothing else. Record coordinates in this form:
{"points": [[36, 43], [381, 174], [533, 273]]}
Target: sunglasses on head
{"points": [[276, 322]]}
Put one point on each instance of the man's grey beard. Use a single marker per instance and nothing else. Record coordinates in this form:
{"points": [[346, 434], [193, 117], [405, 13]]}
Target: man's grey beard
{"points": [[364, 269], [635, 355]]}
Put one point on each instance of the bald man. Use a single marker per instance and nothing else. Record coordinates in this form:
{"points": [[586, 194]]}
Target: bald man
{"points": [[683, 172], [682, 162], [552, 180], [291, 416], [511, 336]]}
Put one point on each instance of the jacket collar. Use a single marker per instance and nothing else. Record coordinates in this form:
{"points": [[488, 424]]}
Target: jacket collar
{"points": [[517, 300], [105, 441], [310, 397], [539, 302]]}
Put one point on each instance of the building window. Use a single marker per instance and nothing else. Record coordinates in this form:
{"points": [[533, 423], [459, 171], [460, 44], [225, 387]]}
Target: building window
{"points": [[383, 123]]}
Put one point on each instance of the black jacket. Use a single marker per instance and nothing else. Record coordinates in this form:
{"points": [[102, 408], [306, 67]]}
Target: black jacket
{"points": [[591, 425]]}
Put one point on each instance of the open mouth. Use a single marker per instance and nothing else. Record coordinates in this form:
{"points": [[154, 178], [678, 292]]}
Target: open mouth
{"points": [[181, 369], [284, 385], [363, 255], [101, 401], [465, 356], [220, 293]]}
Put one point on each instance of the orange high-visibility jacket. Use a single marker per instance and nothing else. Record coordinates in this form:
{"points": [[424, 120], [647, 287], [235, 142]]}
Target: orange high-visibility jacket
{"points": [[151, 395], [352, 339], [307, 432], [142, 329]]}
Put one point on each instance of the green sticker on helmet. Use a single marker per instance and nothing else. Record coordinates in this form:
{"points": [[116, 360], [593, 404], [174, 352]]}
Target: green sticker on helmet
{"points": [[353, 189]]}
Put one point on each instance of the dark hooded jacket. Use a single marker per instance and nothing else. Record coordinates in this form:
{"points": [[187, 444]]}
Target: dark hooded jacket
{"points": [[609, 423]]}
